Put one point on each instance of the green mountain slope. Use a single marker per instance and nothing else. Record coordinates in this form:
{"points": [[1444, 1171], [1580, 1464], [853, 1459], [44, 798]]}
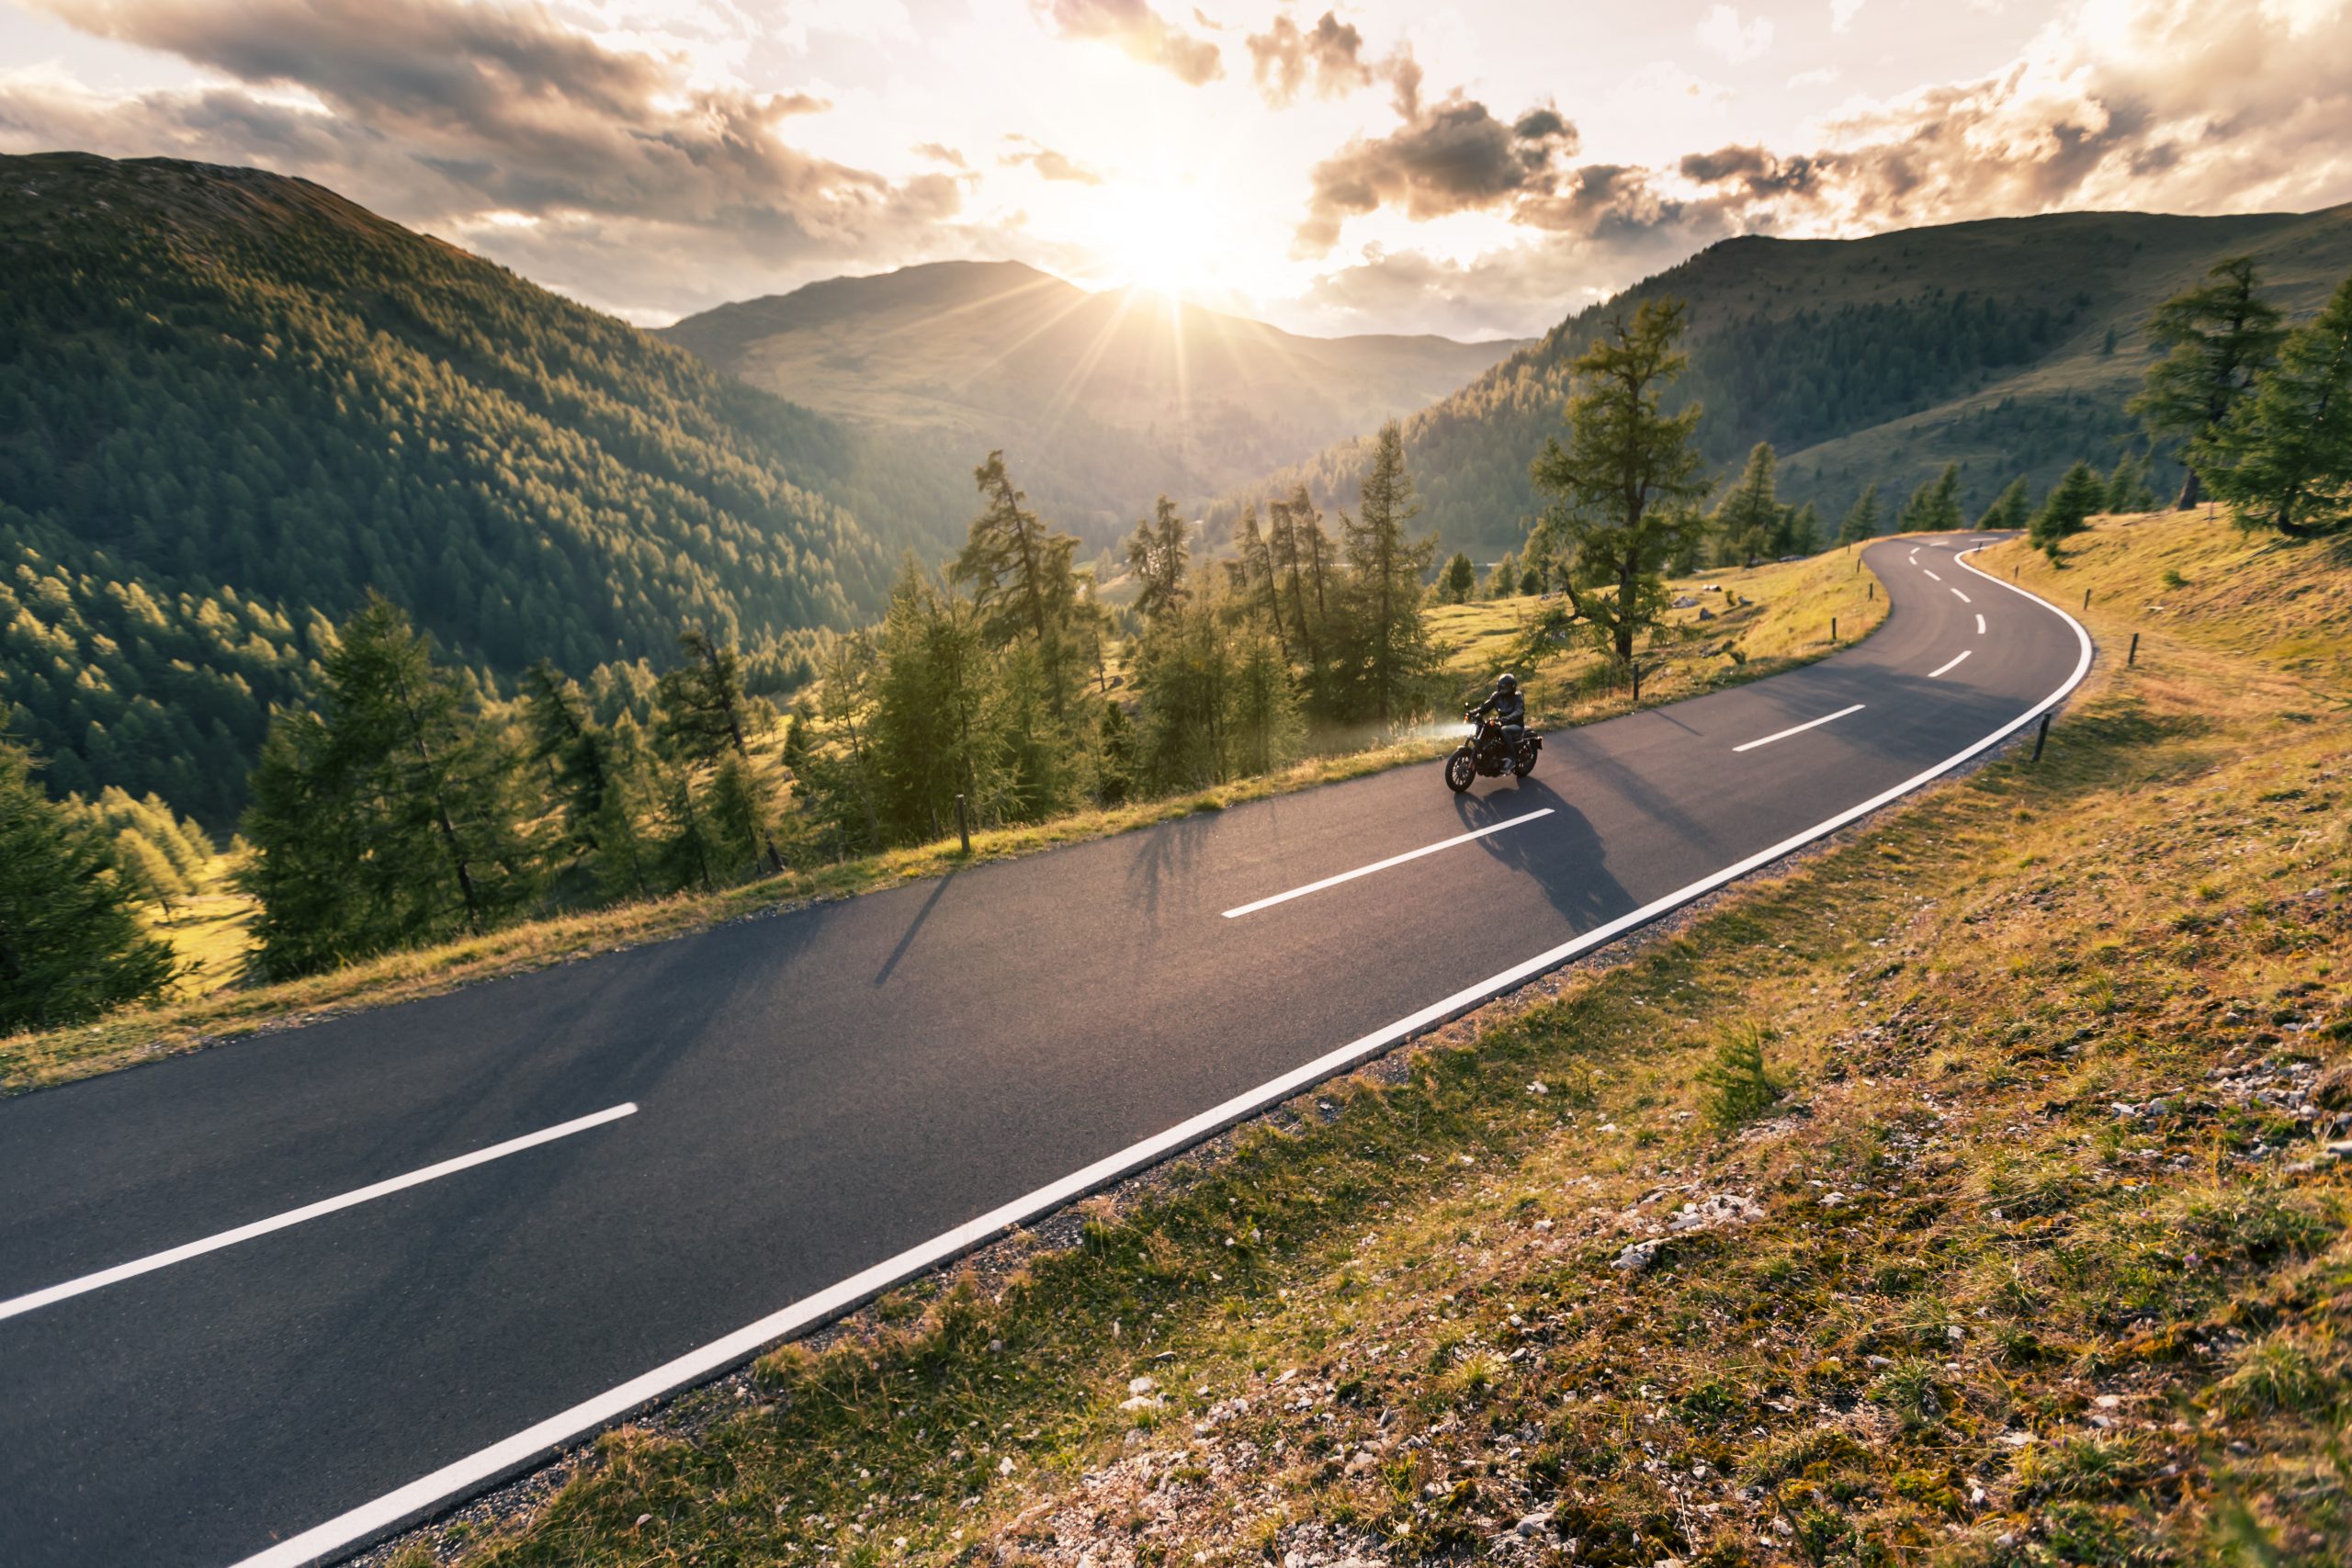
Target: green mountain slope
{"points": [[1101, 401], [1867, 361], [231, 403]]}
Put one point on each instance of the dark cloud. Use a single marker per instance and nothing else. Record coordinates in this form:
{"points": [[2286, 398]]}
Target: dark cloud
{"points": [[1139, 30], [1286, 59], [1049, 163], [1754, 170], [1454, 156]]}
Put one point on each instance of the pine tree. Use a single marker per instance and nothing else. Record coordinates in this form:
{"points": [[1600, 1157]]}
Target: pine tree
{"points": [[932, 736], [2283, 458], [1459, 581], [1502, 581], [1019, 574], [2220, 336], [1861, 518], [2067, 511], [1627, 463], [147, 871], [1749, 517], [1387, 650], [1803, 534], [1114, 760], [705, 718], [2010, 511], [1934, 507], [388, 816], [1256, 560], [1156, 555], [2127, 486], [70, 946]]}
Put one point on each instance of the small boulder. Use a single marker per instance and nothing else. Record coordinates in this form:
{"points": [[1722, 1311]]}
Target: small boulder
{"points": [[1637, 1256]]}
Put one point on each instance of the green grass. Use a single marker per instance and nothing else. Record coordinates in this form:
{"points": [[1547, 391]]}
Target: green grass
{"points": [[1985, 1316]]}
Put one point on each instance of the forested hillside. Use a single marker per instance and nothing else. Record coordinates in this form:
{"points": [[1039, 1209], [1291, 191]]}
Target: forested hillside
{"points": [[2008, 346], [231, 403], [1100, 401]]}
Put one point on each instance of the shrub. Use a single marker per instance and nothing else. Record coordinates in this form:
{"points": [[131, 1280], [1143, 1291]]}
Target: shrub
{"points": [[1741, 1085]]}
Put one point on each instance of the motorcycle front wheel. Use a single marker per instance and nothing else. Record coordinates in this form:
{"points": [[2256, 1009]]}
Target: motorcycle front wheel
{"points": [[1460, 769]]}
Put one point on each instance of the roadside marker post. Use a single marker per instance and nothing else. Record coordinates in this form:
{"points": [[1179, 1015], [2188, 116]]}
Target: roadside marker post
{"points": [[2041, 738], [1833, 630], [964, 824], [2086, 598], [2133, 657]]}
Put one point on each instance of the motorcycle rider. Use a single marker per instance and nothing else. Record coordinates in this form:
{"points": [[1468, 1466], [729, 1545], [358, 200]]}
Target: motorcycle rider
{"points": [[1509, 709]]}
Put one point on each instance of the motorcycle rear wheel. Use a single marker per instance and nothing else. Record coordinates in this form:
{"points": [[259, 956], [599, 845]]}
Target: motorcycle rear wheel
{"points": [[1460, 771], [1524, 763]]}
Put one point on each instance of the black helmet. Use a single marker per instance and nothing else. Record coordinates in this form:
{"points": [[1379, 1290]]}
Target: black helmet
{"points": [[1507, 683]]}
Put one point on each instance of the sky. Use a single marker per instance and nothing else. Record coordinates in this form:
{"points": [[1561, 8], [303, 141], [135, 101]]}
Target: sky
{"points": [[1479, 169]]}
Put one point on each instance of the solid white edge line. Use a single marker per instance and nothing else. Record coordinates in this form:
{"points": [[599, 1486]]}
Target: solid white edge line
{"points": [[1962, 597], [1381, 865], [1949, 662], [15, 1305], [1798, 728], [376, 1518]]}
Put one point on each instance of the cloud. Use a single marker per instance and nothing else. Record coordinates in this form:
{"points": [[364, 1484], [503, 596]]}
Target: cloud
{"points": [[1049, 164], [1285, 58], [1722, 32], [436, 112], [1454, 156], [1139, 30], [938, 152], [1842, 14]]}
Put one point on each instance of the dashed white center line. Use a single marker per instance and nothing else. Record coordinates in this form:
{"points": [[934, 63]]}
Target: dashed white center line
{"points": [[1980, 623], [1383, 864], [1962, 597], [1798, 728], [154, 1260], [1931, 573], [1956, 659]]}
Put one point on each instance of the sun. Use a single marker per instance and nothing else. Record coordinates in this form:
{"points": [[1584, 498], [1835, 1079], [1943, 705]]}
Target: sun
{"points": [[1163, 236]]}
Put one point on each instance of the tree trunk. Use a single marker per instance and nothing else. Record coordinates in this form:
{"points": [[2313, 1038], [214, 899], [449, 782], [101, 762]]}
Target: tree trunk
{"points": [[2192, 491]]}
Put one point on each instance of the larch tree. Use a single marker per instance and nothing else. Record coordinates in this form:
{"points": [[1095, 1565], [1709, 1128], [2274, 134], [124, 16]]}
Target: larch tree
{"points": [[2067, 511], [71, 944], [2283, 458], [1460, 580], [1619, 485], [706, 719], [2220, 335], [2011, 510], [1861, 518], [1749, 517], [1388, 656], [1019, 574], [1158, 555]]}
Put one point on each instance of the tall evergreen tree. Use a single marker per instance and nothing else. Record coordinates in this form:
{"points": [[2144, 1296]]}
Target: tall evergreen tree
{"points": [[1459, 581], [1627, 463], [1502, 581], [1861, 518], [1748, 519], [1157, 554], [2011, 510], [1386, 648], [1934, 507], [2220, 335], [70, 945], [2067, 511], [706, 719], [386, 818], [1019, 574], [2283, 458], [2127, 486]]}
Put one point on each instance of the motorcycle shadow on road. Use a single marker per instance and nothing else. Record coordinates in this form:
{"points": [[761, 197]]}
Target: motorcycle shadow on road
{"points": [[1560, 854]]}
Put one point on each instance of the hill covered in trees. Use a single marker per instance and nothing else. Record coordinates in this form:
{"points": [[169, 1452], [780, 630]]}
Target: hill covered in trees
{"points": [[233, 402], [1100, 401], [2008, 347]]}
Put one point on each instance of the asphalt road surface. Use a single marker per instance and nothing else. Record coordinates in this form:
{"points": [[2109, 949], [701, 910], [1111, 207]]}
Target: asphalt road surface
{"points": [[724, 1137]]}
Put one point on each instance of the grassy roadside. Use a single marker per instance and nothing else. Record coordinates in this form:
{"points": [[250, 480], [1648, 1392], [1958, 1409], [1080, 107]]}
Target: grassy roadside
{"points": [[1784, 621], [1961, 1196]]}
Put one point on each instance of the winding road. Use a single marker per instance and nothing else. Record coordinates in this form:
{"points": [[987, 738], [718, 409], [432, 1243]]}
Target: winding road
{"points": [[263, 1303]]}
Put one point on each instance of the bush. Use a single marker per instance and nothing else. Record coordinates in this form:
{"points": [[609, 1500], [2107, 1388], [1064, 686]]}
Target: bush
{"points": [[1742, 1086]]}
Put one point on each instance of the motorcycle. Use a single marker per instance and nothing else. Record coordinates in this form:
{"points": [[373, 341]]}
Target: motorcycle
{"points": [[1488, 753]]}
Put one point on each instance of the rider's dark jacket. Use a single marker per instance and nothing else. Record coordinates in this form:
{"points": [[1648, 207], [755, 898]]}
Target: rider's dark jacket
{"points": [[1508, 707]]}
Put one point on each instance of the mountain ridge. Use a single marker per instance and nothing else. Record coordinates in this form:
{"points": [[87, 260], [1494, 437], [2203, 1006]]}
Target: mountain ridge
{"points": [[1870, 360]]}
